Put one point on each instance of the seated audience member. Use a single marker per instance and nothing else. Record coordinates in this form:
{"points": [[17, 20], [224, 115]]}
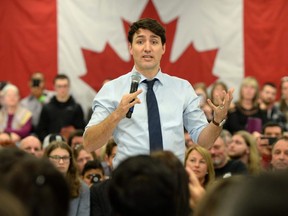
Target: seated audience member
{"points": [[62, 114], [270, 133], [37, 98], [110, 152], [31, 145], [52, 137], [246, 114], [92, 172], [283, 102], [225, 167], [9, 157], [75, 138], [39, 186], [14, 118], [212, 200], [199, 160], [279, 159], [243, 147], [82, 156], [263, 195], [100, 203], [183, 193], [267, 101], [60, 154], [142, 185]]}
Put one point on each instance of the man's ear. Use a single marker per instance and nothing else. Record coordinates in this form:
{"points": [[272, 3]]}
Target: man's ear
{"points": [[130, 48], [164, 48]]}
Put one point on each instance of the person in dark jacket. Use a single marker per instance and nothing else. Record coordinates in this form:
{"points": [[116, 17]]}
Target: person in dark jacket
{"points": [[62, 114]]}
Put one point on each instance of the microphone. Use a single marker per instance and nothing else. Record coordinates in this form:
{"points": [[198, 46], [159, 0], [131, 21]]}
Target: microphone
{"points": [[135, 79]]}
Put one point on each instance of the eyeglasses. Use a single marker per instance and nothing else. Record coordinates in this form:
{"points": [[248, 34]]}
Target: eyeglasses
{"points": [[61, 86], [58, 158]]}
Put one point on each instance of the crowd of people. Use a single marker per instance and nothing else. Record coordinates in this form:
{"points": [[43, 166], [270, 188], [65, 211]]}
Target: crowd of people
{"points": [[193, 155]]}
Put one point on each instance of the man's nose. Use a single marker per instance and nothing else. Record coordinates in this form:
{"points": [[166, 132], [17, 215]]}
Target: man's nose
{"points": [[281, 156], [147, 47]]}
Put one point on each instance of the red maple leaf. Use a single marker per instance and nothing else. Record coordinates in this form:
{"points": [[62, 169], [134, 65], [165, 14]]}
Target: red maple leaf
{"points": [[192, 65]]}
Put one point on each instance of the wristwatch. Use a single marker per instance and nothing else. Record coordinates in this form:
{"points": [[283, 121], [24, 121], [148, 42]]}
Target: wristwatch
{"points": [[219, 124]]}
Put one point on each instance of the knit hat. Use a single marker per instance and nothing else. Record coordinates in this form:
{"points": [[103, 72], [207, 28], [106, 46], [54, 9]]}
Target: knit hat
{"points": [[52, 137]]}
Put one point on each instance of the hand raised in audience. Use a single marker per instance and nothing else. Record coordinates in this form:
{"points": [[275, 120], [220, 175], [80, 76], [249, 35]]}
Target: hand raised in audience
{"points": [[195, 188]]}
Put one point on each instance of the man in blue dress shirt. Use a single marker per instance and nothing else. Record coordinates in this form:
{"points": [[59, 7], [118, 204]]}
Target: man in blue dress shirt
{"points": [[178, 104]]}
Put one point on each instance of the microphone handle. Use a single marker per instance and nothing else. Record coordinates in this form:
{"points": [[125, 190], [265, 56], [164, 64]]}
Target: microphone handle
{"points": [[133, 88]]}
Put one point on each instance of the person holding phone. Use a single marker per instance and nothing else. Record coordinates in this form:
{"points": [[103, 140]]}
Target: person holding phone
{"points": [[37, 97], [271, 131]]}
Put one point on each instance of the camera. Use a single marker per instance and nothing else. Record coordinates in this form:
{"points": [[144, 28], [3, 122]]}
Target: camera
{"points": [[36, 82], [271, 140], [95, 178]]}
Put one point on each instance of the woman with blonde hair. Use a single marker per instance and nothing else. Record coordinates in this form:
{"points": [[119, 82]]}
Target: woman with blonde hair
{"points": [[200, 161], [246, 114]]}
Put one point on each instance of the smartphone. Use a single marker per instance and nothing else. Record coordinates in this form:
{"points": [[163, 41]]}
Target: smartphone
{"points": [[36, 82], [271, 140]]}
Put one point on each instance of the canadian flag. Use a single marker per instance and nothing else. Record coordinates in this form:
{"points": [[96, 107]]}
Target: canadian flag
{"points": [[207, 40]]}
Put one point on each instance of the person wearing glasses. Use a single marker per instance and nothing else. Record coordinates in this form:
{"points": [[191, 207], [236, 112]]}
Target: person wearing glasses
{"points": [[60, 154], [62, 114]]}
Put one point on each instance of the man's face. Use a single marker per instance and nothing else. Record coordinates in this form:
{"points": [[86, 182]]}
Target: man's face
{"points": [[147, 50], [280, 155], [219, 153], [273, 131], [62, 88], [263, 145], [268, 94], [238, 147], [37, 86], [31, 145]]}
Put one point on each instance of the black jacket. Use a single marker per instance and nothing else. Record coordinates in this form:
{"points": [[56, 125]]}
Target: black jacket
{"points": [[56, 115]]}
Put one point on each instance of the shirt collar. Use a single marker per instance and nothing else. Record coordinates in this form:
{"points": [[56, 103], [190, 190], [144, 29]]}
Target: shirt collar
{"points": [[158, 76]]}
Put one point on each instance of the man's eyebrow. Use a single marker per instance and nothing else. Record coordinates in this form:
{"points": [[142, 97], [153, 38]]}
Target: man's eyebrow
{"points": [[155, 36], [152, 36], [140, 36]]}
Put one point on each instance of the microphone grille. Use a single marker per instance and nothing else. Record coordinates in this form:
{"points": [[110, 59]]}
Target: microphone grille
{"points": [[136, 77]]}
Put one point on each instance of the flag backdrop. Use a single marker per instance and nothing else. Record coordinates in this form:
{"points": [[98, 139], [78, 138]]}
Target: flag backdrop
{"points": [[207, 40]]}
